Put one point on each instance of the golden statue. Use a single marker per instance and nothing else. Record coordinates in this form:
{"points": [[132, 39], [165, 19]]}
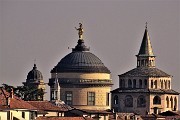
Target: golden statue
{"points": [[80, 31]]}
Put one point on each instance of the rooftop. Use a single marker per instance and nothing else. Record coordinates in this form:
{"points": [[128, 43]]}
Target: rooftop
{"points": [[142, 90], [48, 106], [8, 101], [145, 72], [63, 118]]}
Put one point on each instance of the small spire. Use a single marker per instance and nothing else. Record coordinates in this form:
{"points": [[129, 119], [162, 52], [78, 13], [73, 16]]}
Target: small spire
{"points": [[35, 61], [34, 68], [146, 25], [146, 48]]}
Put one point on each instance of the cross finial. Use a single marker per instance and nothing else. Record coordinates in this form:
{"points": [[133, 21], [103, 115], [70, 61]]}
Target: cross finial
{"points": [[146, 25], [34, 61]]}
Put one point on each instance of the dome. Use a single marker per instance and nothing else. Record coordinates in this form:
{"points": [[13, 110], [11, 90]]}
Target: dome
{"points": [[34, 74], [80, 60]]}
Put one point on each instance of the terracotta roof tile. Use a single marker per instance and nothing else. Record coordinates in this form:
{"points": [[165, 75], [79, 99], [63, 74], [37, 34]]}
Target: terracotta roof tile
{"points": [[63, 118], [8, 102], [96, 111], [47, 106]]}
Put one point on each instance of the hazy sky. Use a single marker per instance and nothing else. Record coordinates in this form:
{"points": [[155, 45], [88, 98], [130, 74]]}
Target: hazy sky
{"points": [[44, 29]]}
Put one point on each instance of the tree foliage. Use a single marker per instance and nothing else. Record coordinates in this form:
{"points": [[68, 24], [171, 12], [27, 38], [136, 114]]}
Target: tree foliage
{"points": [[27, 93]]}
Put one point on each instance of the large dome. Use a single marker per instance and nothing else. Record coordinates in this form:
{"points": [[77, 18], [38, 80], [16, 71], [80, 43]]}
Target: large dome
{"points": [[80, 60], [34, 74]]}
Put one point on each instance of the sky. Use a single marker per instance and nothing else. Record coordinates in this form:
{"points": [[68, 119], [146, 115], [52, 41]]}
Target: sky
{"points": [[113, 29]]}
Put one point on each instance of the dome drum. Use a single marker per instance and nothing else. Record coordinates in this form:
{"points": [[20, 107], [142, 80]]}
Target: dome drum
{"points": [[81, 74]]}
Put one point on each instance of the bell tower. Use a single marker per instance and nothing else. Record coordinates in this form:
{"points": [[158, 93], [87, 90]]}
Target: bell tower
{"points": [[145, 57]]}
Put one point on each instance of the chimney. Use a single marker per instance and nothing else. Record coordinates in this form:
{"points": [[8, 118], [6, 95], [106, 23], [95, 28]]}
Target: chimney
{"points": [[8, 101], [12, 93]]}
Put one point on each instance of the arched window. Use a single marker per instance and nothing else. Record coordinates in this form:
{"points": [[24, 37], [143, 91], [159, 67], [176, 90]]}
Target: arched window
{"points": [[140, 83], [165, 84], [146, 63], [134, 83], [141, 101], [167, 102], [142, 62], [52, 95], [175, 104], [171, 100], [115, 99], [129, 83], [151, 83], [150, 62], [128, 101], [122, 83], [169, 84], [138, 63], [155, 84], [157, 100], [162, 84], [145, 82], [153, 63]]}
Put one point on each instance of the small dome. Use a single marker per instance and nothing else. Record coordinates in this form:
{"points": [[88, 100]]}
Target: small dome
{"points": [[34, 74], [80, 60]]}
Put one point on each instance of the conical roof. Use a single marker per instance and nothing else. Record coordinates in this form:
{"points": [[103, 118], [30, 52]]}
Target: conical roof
{"points": [[146, 48]]}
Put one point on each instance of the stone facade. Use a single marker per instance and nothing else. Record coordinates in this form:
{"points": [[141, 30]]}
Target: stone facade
{"points": [[81, 80], [145, 89], [80, 97], [78, 86]]}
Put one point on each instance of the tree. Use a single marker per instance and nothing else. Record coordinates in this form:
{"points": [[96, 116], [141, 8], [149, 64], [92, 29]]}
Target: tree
{"points": [[27, 93]]}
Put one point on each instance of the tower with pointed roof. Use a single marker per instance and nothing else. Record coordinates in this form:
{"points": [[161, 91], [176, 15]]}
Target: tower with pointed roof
{"points": [[84, 81], [35, 82], [145, 89]]}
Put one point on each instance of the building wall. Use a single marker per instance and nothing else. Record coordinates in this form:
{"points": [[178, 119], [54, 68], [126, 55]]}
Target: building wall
{"points": [[18, 114], [153, 83], [162, 82], [82, 83], [41, 85], [80, 97], [82, 75], [126, 79], [3, 115], [164, 105], [158, 82], [120, 107], [95, 117], [52, 114]]}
